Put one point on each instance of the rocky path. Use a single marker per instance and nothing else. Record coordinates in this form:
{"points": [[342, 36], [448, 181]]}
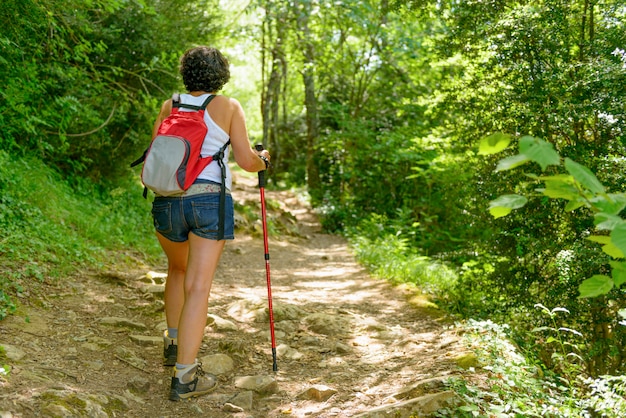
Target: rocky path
{"points": [[348, 345]]}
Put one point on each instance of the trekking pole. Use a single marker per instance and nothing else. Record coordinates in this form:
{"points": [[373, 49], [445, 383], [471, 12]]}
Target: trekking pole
{"points": [[259, 147]]}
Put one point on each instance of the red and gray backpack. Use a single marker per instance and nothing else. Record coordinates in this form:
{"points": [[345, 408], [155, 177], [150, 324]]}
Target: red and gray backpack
{"points": [[173, 160]]}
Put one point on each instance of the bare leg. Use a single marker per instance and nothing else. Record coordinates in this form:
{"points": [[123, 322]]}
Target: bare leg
{"points": [[177, 255], [204, 256]]}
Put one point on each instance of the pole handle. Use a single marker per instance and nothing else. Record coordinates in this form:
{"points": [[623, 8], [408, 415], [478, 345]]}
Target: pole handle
{"points": [[259, 147]]}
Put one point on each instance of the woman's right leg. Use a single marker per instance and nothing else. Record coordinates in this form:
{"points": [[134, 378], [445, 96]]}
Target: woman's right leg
{"points": [[204, 256], [177, 254]]}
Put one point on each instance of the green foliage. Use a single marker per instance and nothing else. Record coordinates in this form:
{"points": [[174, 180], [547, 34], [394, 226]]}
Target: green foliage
{"points": [[84, 80], [388, 256], [4, 368], [583, 276], [560, 354], [7, 306], [516, 387], [606, 395], [51, 227], [580, 188]]}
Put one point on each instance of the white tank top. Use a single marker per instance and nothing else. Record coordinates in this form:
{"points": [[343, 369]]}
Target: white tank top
{"points": [[214, 140]]}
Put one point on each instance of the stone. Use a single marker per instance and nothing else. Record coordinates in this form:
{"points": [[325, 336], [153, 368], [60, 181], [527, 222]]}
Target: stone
{"points": [[138, 384], [325, 324], [146, 340], [341, 348], [122, 322], [420, 388], [284, 351], [53, 410], [90, 346], [229, 407], [467, 360], [156, 277], [222, 324], [417, 407], [247, 310], [284, 312], [155, 289], [259, 384], [243, 400], [217, 364], [12, 352], [319, 393], [96, 365]]}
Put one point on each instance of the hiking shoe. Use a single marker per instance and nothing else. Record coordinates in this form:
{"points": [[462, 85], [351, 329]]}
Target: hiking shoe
{"points": [[191, 382], [170, 350]]}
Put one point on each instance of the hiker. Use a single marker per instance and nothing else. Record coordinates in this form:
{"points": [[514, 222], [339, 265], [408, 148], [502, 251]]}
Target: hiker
{"points": [[187, 224]]}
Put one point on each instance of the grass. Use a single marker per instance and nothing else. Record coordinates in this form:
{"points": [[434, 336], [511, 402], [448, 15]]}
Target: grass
{"points": [[51, 226], [389, 257]]}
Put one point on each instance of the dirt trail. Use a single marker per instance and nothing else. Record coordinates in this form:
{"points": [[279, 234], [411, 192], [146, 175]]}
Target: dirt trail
{"points": [[348, 344]]}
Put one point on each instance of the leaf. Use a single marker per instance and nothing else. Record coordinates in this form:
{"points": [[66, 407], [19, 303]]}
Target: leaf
{"points": [[504, 204], [499, 212], [618, 273], [584, 176], [572, 205], [468, 408], [618, 237], [576, 356], [612, 250], [596, 285], [573, 331], [559, 190], [604, 221], [526, 142], [602, 239], [539, 151], [563, 178], [494, 143], [612, 203], [541, 329], [511, 162]]}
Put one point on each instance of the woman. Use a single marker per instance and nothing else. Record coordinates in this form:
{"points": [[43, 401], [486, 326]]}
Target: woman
{"points": [[187, 225]]}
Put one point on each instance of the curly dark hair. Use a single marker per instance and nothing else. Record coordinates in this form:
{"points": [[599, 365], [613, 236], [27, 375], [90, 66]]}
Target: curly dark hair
{"points": [[204, 69]]}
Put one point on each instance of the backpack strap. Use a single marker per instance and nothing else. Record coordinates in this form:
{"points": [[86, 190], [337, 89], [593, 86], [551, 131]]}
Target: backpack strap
{"points": [[177, 104], [219, 157], [140, 159]]}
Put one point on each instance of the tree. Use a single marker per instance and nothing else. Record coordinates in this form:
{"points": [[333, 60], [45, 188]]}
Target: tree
{"points": [[84, 79]]}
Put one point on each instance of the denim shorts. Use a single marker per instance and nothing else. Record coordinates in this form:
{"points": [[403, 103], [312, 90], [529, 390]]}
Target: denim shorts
{"points": [[175, 217]]}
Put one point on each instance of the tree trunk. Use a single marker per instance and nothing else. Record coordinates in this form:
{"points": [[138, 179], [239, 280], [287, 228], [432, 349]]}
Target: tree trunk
{"points": [[310, 100], [272, 41]]}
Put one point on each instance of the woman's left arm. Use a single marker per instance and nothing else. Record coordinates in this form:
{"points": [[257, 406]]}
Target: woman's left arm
{"points": [[166, 109]]}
